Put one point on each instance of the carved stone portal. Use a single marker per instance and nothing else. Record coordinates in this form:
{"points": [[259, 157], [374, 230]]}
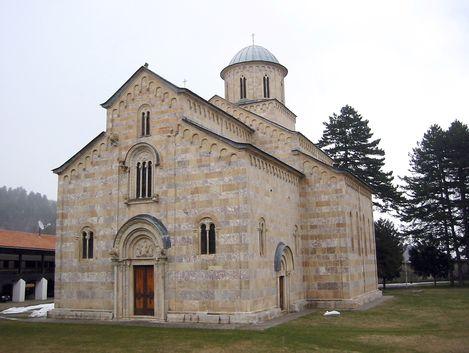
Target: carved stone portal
{"points": [[144, 248]]}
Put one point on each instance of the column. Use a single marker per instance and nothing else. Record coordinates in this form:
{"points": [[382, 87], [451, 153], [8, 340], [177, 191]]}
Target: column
{"points": [[40, 292], [19, 289]]}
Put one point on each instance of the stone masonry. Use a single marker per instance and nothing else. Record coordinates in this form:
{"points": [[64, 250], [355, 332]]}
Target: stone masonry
{"points": [[227, 162]]}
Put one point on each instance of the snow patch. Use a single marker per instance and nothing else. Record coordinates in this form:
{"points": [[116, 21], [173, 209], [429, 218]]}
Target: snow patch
{"points": [[332, 313], [36, 310]]}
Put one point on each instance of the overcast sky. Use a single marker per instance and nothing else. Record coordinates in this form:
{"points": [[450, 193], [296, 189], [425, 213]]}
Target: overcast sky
{"points": [[403, 65]]}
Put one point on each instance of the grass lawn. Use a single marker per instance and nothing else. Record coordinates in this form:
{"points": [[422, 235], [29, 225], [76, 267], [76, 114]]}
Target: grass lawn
{"points": [[417, 320]]}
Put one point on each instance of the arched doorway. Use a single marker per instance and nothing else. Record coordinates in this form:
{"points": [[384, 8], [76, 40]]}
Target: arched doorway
{"points": [[283, 265], [139, 258]]}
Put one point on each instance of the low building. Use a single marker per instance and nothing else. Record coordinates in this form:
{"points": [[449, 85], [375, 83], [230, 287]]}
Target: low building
{"points": [[27, 263]]}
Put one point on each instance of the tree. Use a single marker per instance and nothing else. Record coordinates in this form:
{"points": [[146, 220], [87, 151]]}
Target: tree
{"points": [[347, 138], [388, 250], [436, 192], [20, 210], [428, 260], [458, 160]]}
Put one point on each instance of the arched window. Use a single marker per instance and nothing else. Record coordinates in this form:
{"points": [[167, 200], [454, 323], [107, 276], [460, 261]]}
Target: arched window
{"points": [[141, 162], [145, 123], [261, 230], [207, 237], [358, 234], [352, 234], [87, 244], [144, 180], [365, 235], [242, 87], [266, 87]]}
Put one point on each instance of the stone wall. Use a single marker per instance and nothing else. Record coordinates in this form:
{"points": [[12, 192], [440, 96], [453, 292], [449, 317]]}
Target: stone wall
{"points": [[322, 215]]}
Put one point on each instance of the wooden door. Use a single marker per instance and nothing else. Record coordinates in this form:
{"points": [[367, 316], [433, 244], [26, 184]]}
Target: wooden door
{"points": [[144, 290], [281, 291]]}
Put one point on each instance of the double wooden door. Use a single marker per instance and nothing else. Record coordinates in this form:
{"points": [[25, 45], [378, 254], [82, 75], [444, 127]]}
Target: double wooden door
{"points": [[144, 297]]}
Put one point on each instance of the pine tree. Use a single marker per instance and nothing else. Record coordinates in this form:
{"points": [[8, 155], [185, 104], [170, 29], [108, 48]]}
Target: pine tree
{"points": [[348, 139], [388, 250], [458, 160], [436, 191]]}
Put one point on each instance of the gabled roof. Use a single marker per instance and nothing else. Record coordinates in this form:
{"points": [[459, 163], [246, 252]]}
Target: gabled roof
{"points": [[254, 101], [21, 240], [60, 169], [122, 88], [271, 122], [234, 105], [177, 89], [243, 146], [339, 170]]}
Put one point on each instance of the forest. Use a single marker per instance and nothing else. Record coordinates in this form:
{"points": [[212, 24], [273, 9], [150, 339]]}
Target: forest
{"points": [[21, 210]]}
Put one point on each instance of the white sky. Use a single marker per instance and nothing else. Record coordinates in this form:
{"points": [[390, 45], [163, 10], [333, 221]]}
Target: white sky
{"points": [[402, 64]]}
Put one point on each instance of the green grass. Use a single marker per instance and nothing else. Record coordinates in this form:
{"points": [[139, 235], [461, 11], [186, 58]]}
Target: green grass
{"points": [[427, 320]]}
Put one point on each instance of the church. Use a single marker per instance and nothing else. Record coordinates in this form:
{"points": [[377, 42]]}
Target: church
{"points": [[214, 211]]}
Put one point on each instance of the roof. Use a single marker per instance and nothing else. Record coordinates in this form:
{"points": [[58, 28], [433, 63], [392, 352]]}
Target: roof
{"points": [[23, 240], [254, 101], [339, 170], [122, 88], [244, 146], [117, 94], [253, 53], [271, 122], [60, 169], [177, 89]]}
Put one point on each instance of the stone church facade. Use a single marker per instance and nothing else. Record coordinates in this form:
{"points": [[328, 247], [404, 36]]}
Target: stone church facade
{"points": [[188, 210]]}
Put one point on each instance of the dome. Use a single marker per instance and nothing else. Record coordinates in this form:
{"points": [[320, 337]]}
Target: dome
{"points": [[253, 53]]}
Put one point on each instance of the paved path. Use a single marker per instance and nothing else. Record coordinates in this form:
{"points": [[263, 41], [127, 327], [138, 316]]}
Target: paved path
{"points": [[151, 323], [414, 284]]}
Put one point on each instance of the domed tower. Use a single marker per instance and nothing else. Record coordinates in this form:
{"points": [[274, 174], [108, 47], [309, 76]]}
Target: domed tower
{"points": [[254, 79], [254, 73]]}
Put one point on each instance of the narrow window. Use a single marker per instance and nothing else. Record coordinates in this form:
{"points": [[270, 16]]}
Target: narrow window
{"points": [[211, 239], [203, 239], [137, 194], [84, 246], [149, 180], [297, 240], [147, 124], [143, 123], [144, 179], [261, 230], [358, 235], [266, 87], [87, 244], [242, 87], [90, 245]]}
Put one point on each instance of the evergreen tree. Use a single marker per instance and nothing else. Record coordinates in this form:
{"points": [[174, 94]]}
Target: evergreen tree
{"points": [[389, 251], [436, 191], [347, 138], [428, 260], [458, 159]]}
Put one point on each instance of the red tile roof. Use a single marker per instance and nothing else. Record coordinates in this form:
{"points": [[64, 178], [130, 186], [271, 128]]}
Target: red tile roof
{"points": [[23, 240]]}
